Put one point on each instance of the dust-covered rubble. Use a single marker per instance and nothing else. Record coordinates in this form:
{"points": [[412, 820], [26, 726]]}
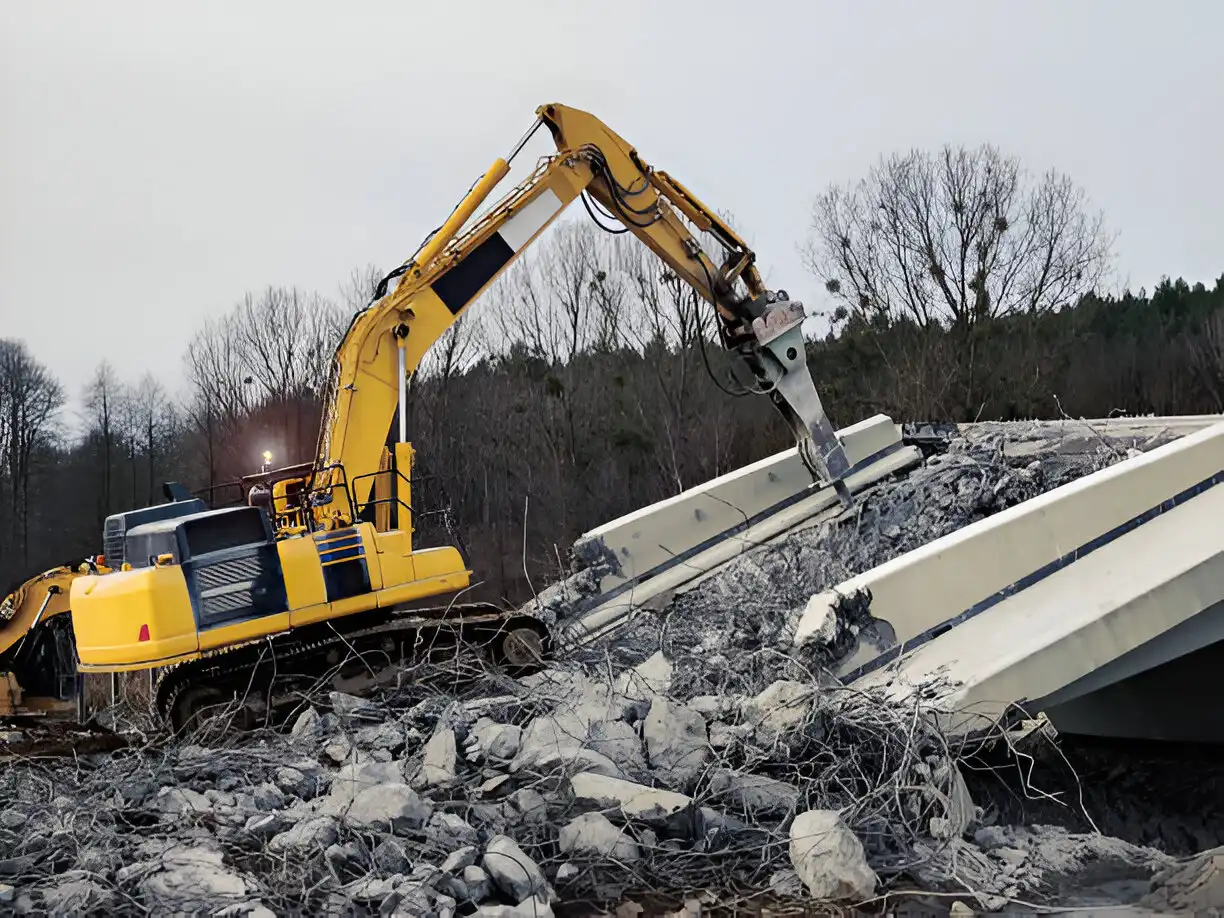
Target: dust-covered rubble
{"points": [[697, 759], [566, 790]]}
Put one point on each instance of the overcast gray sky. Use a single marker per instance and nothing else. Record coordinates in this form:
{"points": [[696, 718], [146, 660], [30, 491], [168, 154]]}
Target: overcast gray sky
{"points": [[159, 159]]}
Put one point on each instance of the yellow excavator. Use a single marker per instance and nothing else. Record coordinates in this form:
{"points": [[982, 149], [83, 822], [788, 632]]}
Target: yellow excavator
{"points": [[319, 567], [38, 665]]}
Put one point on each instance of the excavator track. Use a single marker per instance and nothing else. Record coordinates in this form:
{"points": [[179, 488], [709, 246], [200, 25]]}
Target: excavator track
{"points": [[378, 646]]}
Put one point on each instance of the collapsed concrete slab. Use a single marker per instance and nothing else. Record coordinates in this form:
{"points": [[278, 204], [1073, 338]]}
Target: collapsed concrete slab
{"points": [[659, 548], [1101, 647], [931, 590]]}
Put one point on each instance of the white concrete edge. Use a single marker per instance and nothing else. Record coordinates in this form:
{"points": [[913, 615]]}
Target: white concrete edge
{"points": [[612, 613], [929, 585], [761, 466], [636, 546], [1042, 647]]}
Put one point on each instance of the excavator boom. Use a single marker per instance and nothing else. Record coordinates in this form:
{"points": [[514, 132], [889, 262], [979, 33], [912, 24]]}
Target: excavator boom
{"points": [[319, 571], [388, 340]]}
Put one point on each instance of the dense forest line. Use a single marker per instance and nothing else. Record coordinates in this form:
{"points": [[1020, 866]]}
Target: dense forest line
{"points": [[588, 381]]}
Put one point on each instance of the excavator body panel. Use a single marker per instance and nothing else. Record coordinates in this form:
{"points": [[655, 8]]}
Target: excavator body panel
{"points": [[132, 619], [221, 579]]}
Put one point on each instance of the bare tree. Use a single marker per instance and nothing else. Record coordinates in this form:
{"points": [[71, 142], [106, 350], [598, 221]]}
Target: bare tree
{"points": [[953, 238], [153, 423], [103, 396], [30, 399]]}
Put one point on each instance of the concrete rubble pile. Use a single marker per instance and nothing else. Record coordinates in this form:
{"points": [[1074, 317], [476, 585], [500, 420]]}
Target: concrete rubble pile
{"points": [[692, 761]]}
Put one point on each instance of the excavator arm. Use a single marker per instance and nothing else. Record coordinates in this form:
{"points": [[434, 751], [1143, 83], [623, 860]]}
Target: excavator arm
{"points": [[388, 339]]}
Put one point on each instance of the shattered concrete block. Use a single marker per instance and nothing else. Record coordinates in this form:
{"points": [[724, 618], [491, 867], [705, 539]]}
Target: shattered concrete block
{"points": [[449, 830], [783, 706], [351, 706], [388, 808], [193, 875], [619, 742], [338, 748], [551, 743], [1193, 886], [652, 806], [819, 623], [180, 801], [494, 742], [528, 908], [314, 833], [513, 872], [592, 835], [457, 860], [757, 795], [676, 739], [829, 858], [477, 883], [438, 767], [265, 825], [530, 803], [647, 681]]}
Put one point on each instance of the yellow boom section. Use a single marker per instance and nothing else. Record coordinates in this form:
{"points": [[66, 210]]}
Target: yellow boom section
{"points": [[450, 271]]}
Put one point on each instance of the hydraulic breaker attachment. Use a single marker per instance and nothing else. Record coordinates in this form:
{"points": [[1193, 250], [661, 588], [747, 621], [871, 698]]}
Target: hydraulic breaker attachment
{"points": [[781, 354]]}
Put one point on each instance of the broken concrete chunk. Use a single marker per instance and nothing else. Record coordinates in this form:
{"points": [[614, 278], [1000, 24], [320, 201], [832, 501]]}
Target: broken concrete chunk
{"points": [[308, 725], [619, 742], [529, 908], [438, 767], [179, 801], [388, 808], [713, 707], [783, 706], [592, 835], [676, 739], [265, 825], [530, 803], [457, 860], [494, 742], [1194, 886], [757, 795], [388, 737], [646, 681], [450, 831], [552, 743], [391, 858], [314, 833], [477, 883], [513, 872], [351, 706], [819, 623], [193, 876], [268, 797], [829, 858], [337, 748], [78, 897], [635, 801]]}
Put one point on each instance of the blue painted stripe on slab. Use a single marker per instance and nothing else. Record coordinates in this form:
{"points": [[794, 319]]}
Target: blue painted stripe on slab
{"points": [[1028, 580]]}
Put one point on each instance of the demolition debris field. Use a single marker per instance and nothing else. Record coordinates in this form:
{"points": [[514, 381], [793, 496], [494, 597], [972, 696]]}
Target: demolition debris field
{"points": [[694, 763]]}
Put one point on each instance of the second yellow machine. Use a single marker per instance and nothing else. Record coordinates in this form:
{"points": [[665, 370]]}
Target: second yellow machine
{"points": [[226, 602]]}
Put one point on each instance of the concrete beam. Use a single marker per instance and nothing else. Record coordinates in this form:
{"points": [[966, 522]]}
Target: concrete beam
{"points": [[641, 542], [933, 589], [1091, 644], [674, 543]]}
